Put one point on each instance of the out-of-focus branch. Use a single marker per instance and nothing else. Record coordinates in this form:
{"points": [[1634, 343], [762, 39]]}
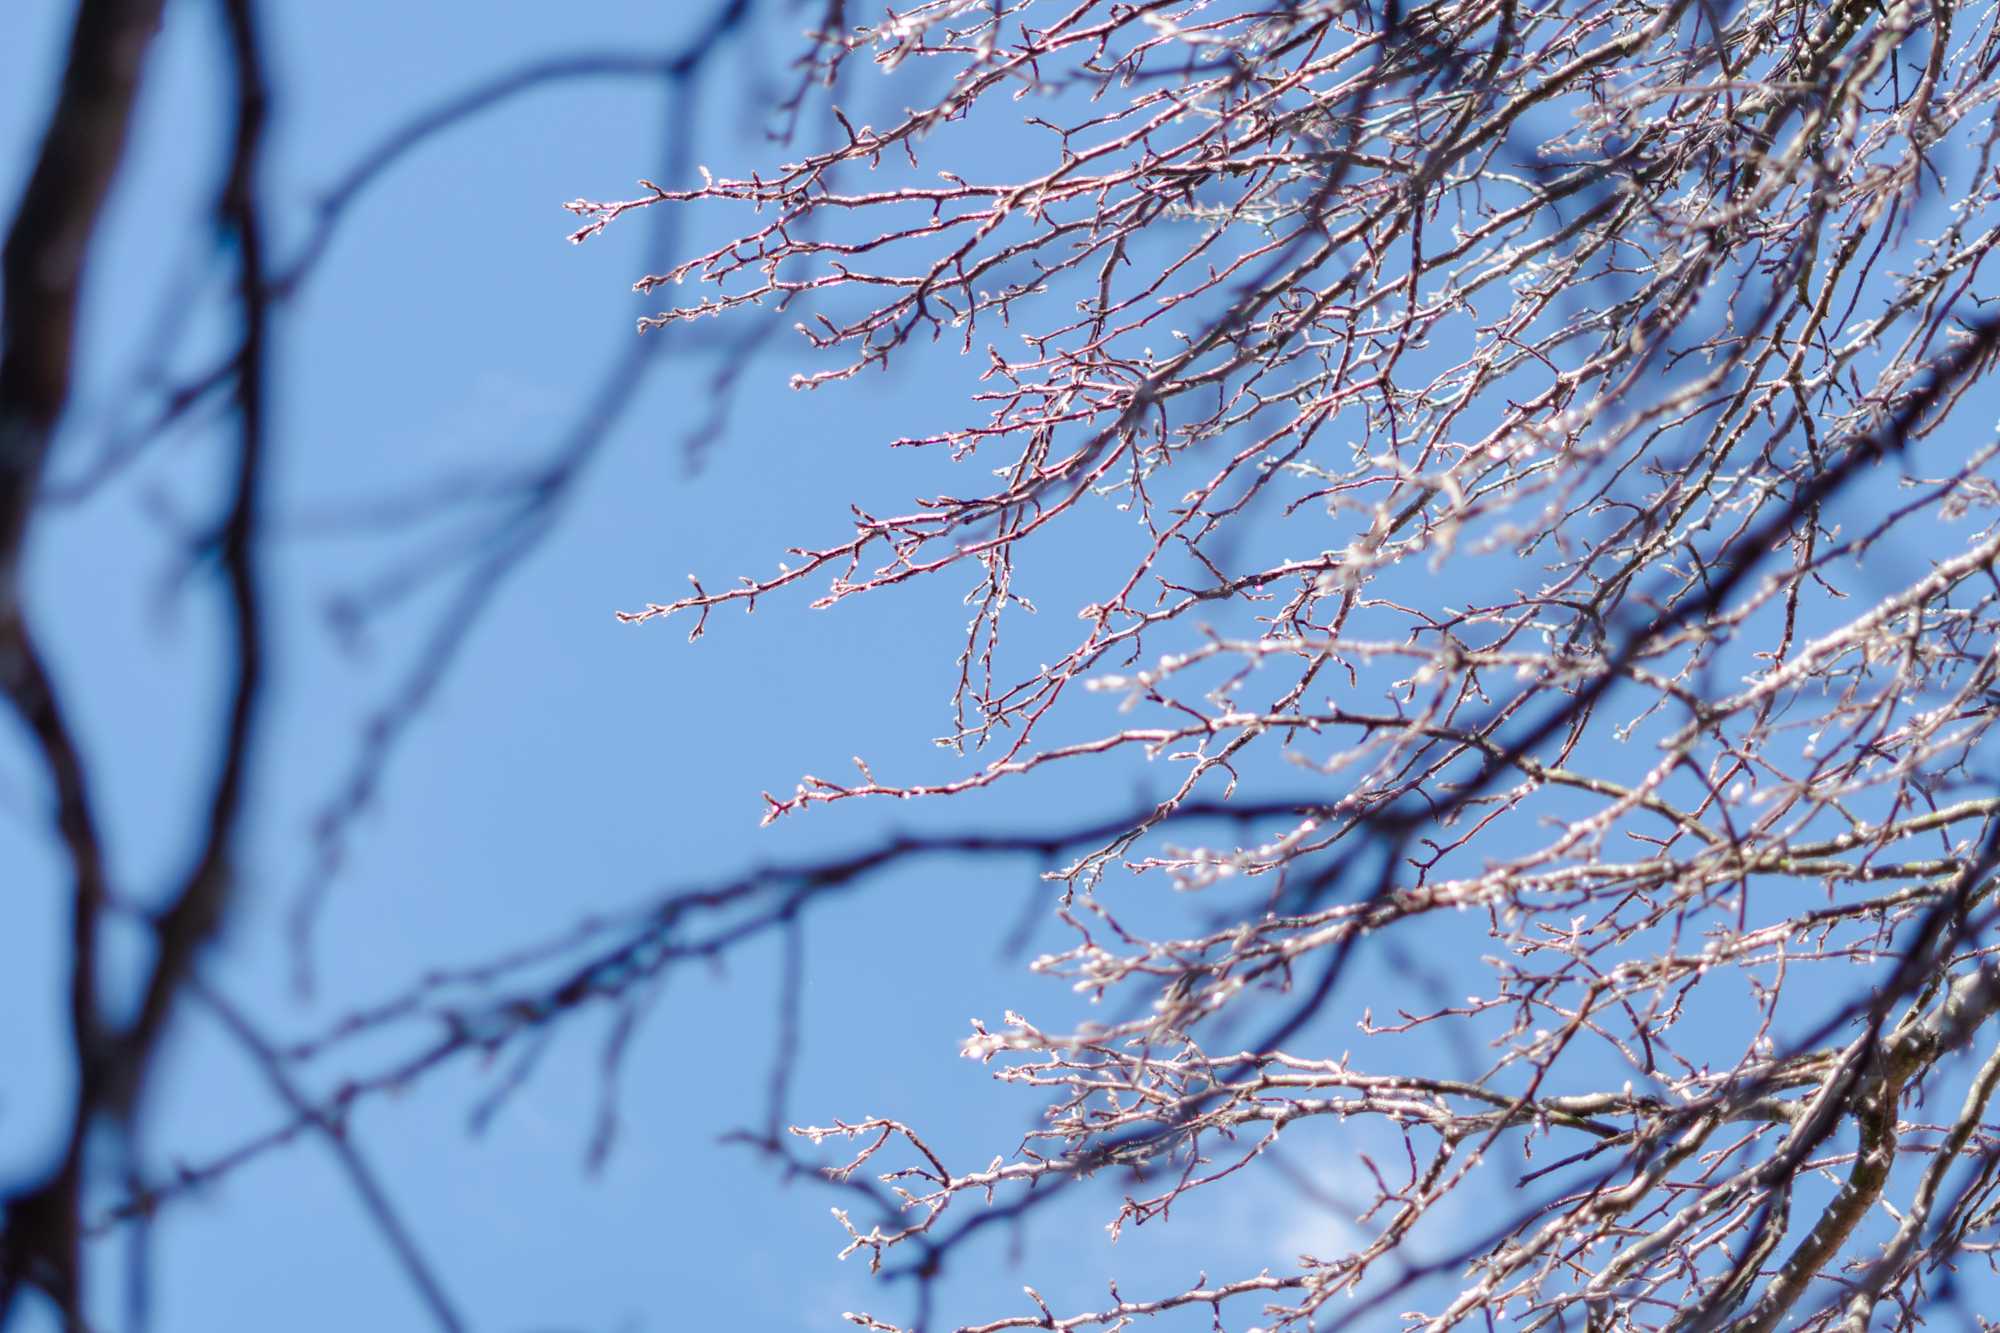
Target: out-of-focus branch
{"points": [[198, 903], [114, 1057], [334, 1133], [48, 243]]}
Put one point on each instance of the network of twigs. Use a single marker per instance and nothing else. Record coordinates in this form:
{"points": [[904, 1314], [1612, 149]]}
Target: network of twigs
{"points": [[1505, 393]]}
